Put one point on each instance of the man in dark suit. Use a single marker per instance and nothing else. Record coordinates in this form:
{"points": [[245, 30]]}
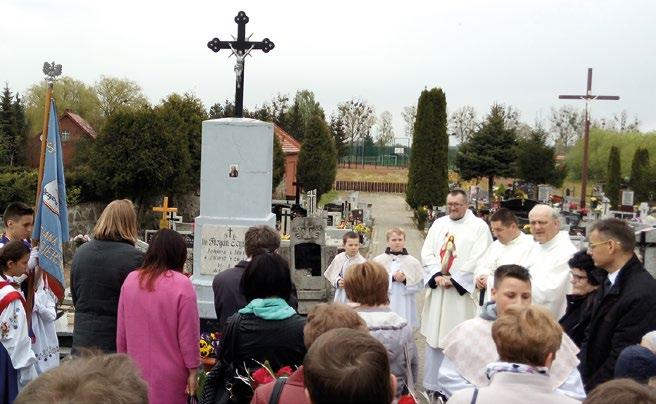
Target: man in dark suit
{"points": [[625, 305], [228, 296]]}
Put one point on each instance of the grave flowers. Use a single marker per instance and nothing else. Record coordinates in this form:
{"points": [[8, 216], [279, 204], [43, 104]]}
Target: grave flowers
{"points": [[209, 348]]}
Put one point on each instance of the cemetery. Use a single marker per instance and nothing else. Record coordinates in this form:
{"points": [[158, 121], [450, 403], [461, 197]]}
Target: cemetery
{"points": [[312, 169]]}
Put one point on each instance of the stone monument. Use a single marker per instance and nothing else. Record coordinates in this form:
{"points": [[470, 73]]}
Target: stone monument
{"points": [[235, 194]]}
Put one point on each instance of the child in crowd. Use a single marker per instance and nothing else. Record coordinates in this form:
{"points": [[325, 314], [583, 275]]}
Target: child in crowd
{"points": [[405, 276], [342, 262], [19, 220], [17, 361], [44, 314]]}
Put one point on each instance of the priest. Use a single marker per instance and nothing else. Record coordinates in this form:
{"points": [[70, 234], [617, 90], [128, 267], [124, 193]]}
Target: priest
{"points": [[548, 260], [452, 247], [512, 246]]}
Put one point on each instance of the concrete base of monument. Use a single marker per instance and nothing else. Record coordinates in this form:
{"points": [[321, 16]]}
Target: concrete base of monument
{"points": [[219, 242]]}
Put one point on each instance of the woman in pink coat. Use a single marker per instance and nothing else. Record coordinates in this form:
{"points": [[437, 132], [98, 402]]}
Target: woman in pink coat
{"points": [[158, 323]]}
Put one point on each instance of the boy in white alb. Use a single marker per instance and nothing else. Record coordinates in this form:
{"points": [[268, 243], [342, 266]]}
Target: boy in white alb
{"points": [[342, 262], [405, 276]]}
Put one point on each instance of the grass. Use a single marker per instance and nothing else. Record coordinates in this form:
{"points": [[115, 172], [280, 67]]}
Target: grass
{"points": [[371, 174]]}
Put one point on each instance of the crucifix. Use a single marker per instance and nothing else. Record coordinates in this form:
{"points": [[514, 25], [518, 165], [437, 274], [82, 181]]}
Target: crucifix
{"points": [[165, 210], [586, 134], [240, 47]]}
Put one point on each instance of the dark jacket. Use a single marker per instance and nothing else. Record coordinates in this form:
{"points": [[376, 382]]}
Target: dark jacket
{"points": [[576, 318], [248, 339], [618, 319], [228, 297], [97, 274]]}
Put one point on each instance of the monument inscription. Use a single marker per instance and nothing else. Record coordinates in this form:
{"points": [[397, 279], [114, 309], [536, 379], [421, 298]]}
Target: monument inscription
{"points": [[222, 247]]}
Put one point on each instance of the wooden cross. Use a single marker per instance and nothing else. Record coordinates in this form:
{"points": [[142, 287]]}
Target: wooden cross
{"points": [[240, 47], [298, 186], [285, 215], [165, 210], [586, 134]]}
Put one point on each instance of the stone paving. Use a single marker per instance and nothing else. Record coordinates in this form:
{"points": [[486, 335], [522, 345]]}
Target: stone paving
{"points": [[391, 210]]}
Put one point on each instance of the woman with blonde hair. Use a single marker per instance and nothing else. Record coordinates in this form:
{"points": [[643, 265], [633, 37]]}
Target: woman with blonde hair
{"points": [[99, 268]]}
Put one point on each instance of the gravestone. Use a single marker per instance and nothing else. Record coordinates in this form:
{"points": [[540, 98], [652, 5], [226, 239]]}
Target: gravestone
{"points": [[308, 241], [626, 204], [230, 203], [544, 193]]}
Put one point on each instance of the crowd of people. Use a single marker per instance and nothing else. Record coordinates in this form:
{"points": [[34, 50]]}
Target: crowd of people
{"points": [[507, 317]]}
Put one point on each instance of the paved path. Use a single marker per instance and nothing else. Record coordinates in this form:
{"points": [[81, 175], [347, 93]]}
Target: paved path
{"points": [[391, 210]]}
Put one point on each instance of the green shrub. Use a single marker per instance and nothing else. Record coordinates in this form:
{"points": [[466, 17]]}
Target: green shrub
{"points": [[17, 184]]}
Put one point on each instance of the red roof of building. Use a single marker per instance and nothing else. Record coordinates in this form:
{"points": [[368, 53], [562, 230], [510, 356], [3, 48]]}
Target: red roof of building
{"points": [[80, 122], [288, 143]]}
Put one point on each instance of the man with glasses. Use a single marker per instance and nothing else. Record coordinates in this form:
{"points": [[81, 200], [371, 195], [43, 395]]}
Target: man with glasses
{"points": [[547, 261], [625, 305], [452, 247]]}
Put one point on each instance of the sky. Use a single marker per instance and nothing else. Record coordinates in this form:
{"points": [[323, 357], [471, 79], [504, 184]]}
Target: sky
{"points": [[518, 52]]}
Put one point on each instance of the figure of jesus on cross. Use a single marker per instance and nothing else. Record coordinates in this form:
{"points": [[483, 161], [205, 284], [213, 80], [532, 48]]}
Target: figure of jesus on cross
{"points": [[240, 47], [586, 132]]}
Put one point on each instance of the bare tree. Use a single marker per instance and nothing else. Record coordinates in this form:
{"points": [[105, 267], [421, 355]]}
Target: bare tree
{"points": [[409, 115], [463, 123], [357, 117], [385, 129], [566, 126]]}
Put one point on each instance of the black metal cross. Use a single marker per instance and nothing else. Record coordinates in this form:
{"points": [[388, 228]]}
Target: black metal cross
{"points": [[240, 47], [586, 134]]}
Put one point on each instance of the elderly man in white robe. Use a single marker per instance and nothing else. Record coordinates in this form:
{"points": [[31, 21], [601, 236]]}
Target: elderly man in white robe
{"points": [[452, 247], [548, 260], [512, 246]]}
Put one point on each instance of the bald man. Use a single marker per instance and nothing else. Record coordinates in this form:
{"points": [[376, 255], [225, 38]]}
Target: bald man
{"points": [[547, 261]]}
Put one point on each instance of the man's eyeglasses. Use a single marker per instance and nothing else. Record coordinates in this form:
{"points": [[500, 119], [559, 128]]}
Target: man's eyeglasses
{"points": [[455, 205], [592, 246]]}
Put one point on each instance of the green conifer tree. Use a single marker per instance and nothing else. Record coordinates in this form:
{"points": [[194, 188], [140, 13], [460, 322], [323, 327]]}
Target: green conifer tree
{"points": [[613, 177], [428, 173], [490, 152], [640, 173], [317, 161]]}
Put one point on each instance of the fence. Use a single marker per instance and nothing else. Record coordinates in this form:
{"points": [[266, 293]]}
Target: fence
{"points": [[366, 186], [371, 155]]}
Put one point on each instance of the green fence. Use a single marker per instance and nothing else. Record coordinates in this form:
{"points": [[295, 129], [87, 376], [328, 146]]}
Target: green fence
{"points": [[383, 156]]}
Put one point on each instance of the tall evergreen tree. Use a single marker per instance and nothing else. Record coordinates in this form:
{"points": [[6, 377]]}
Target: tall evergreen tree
{"points": [[428, 181], [293, 122], [613, 177], [317, 162], [138, 155], [339, 135], [490, 152], [278, 171], [21, 129], [536, 161], [10, 127], [183, 115], [640, 175]]}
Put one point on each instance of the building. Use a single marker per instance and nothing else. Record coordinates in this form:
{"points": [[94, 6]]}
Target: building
{"points": [[72, 129], [291, 147]]}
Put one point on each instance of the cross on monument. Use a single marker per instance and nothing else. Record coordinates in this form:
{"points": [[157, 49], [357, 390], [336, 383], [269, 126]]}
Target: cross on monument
{"points": [[165, 210], [240, 47], [586, 134]]}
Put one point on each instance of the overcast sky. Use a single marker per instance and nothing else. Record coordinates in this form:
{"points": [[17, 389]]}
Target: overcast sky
{"points": [[519, 52]]}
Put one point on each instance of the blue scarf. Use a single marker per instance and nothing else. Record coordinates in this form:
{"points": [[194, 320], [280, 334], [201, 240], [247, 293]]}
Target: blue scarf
{"points": [[269, 309]]}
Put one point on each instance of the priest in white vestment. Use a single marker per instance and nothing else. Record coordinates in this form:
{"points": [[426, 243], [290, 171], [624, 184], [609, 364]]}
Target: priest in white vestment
{"points": [[512, 246], [547, 262], [452, 247], [469, 348]]}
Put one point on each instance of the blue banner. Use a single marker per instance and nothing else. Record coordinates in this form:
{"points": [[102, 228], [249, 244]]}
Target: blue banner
{"points": [[51, 221]]}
